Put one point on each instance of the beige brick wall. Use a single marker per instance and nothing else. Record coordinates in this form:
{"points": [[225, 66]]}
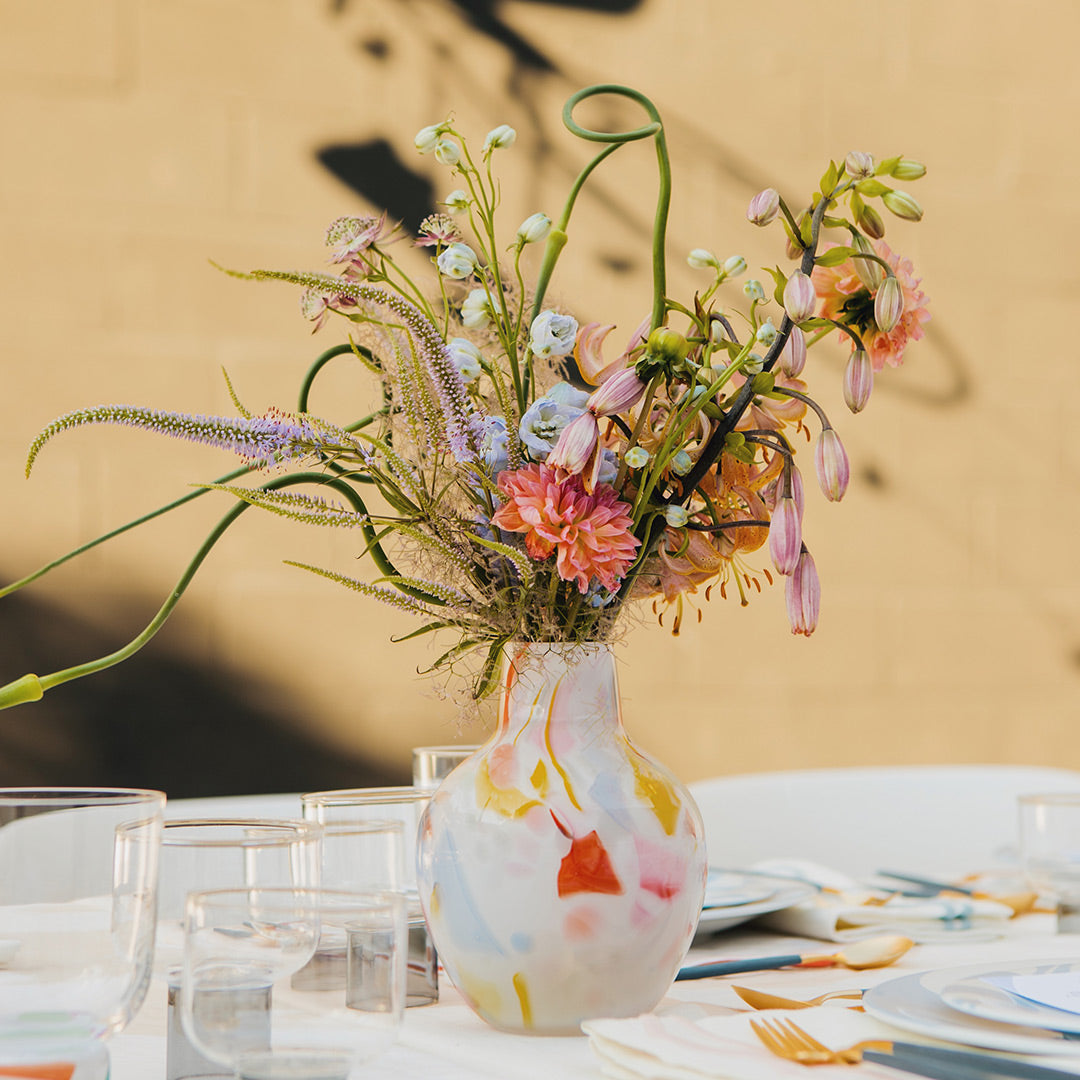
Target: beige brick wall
{"points": [[142, 137]]}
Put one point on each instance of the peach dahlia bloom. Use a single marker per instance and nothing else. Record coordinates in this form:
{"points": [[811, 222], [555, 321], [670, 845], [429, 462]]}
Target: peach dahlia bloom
{"points": [[846, 299], [589, 533]]}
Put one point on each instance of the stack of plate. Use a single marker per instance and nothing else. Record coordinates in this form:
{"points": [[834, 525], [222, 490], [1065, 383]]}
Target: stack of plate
{"points": [[960, 1005], [736, 896]]}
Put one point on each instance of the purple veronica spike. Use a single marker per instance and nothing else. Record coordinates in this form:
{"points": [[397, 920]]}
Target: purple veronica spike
{"points": [[464, 426], [260, 440]]}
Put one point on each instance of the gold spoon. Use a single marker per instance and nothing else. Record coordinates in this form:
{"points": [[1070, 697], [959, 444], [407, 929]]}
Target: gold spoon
{"points": [[758, 999], [870, 953]]}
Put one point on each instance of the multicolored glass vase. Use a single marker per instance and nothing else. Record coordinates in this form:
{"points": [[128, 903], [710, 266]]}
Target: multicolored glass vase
{"points": [[561, 870]]}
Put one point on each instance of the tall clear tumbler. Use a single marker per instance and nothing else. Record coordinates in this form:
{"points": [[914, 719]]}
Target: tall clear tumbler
{"points": [[240, 940], [1050, 848], [78, 896]]}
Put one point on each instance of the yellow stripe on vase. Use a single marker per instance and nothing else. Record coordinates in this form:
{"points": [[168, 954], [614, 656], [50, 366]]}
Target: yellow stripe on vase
{"points": [[523, 997], [657, 793], [506, 801]]}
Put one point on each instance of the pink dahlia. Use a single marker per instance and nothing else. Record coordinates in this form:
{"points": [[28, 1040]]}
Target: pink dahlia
{"points": [[589, 533], [846, 299]]}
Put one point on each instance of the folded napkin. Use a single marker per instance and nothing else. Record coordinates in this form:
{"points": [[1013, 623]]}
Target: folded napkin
{"points": [[842, 913], [671, 1045]]}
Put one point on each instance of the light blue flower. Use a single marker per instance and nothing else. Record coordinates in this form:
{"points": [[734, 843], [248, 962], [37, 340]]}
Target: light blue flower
{"points": [[598, 596], [546, 417], [552, 334], [609, 467]]}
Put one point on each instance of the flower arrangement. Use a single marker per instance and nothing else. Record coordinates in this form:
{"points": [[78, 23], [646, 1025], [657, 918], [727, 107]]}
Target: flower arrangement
{"points": [[518, 484]]}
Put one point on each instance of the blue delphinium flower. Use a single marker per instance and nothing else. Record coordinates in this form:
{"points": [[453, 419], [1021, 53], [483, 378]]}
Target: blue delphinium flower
{"points": [[545, 419]]}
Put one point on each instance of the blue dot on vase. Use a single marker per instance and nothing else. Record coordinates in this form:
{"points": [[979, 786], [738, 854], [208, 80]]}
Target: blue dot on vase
{"points": [[521, 942]]}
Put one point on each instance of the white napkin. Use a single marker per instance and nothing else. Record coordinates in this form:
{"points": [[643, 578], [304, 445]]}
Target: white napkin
{"points": [[671, 1046], [843, 915]]}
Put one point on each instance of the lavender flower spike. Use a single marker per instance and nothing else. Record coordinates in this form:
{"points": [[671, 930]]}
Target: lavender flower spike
{"points": [[260, 440], [464, 426]]}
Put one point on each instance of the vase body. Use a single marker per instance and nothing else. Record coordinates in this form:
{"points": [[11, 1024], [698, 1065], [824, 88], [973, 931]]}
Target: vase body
{"points": [[561, 870]]}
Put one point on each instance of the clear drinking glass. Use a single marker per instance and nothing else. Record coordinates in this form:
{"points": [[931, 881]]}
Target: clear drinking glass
{"points": [[240, 1005], [78, 881], [357, 806], [1050, 850], [431, 764], [198, 855]]}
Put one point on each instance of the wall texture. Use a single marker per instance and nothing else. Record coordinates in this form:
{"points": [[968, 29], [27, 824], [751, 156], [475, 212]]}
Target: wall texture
{"points": [[143, 138]]}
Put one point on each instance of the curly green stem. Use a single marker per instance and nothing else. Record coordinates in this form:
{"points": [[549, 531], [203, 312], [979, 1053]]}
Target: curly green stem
{"points": [[31, 687], [614, 139]]}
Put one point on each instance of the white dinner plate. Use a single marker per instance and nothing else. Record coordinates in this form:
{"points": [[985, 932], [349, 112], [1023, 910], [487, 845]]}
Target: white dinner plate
{"points": [[730, 888], [908, 1004], [970, 994], [760, 895]]}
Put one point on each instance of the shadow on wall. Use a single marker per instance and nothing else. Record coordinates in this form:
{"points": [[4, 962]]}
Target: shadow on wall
{"points": [[163, 723]]}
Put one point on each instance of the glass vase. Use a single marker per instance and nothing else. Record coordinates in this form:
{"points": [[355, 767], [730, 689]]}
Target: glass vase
{"points": [[561, 869]]}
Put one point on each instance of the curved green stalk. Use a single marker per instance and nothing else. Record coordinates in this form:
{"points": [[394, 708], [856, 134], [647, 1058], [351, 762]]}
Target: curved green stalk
{"points": [[321, 362], [557, 237], [31, 687]]}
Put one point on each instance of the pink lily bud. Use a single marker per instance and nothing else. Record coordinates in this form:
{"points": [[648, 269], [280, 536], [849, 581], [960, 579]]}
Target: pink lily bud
{"points": [[869, 272], [803, 594], [764, 206], [858, 380], [800, 299], [797, 490], [831, 462], [616, 394], [869, 220], [859, 164], [888, 304], [577, 442], [785, 535], [793, 355]]}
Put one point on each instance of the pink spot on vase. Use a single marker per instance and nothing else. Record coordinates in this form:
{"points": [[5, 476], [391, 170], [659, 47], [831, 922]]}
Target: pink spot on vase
{"points": [[501, 766], [538, 818], [586, 867], [640, 916], [582, 923], [662, 871]]}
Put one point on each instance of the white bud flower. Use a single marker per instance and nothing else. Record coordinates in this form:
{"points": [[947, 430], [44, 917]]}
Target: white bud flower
{"points": [[428, 138], [701, 259], [476, 309], [458, 261], [766, 333], [456, 201], [447, 152], [753, 290], [535, 227], [466, 357], [499, 138], [676, 516], [734, 265]]}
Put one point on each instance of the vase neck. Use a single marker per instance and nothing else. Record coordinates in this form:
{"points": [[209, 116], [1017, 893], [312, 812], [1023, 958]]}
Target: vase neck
{"points": [[558, 686]]}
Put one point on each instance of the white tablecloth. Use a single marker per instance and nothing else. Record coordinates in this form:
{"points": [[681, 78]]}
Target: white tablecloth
{"points": [[447, 1042]]}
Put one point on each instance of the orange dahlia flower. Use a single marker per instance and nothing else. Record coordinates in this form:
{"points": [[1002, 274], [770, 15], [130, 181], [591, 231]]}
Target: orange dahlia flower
{"points": [[589, 533]]}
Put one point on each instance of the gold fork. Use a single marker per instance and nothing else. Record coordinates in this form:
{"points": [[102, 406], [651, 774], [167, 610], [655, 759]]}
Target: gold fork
{"points": [[787, 1040]]}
